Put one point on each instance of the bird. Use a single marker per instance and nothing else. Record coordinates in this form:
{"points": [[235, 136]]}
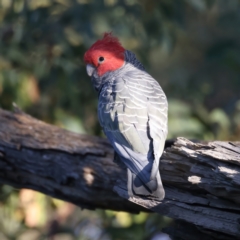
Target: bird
{"points": [[132, 111]]}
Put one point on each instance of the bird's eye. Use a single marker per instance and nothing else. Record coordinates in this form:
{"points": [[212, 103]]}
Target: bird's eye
{"points": [[101, 59]]}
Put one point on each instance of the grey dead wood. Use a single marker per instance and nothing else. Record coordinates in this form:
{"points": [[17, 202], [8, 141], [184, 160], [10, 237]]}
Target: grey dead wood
{"points": [[202, 180]]}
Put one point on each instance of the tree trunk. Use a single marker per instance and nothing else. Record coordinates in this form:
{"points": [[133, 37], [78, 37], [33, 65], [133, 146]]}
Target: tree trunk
{"points": [[201, 179]]}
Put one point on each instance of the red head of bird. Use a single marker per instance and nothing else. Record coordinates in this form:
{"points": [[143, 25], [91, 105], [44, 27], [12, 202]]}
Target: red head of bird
{"points": [[105, 55]]}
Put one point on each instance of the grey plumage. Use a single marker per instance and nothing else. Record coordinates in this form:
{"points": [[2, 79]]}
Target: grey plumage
{"points": [[132, 111]]}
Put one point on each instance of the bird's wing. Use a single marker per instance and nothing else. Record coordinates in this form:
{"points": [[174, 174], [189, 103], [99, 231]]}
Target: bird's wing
{"points": [[133, 114]]}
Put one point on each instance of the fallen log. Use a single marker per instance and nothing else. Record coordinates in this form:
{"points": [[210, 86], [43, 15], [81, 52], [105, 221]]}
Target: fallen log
{"points": [[202, 180]]}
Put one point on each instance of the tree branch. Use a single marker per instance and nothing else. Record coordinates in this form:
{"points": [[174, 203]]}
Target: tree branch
{"points": [[201, 180]]}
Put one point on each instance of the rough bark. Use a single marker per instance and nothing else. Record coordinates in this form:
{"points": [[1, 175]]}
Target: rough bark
{"points": [[201, 179]]}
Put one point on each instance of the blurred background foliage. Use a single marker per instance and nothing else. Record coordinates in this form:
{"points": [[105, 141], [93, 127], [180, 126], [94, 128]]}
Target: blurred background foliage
{"points": [[191, 47]]}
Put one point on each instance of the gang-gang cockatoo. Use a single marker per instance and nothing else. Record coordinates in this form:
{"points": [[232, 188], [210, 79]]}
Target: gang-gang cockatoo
{"points": [[132, 110]]}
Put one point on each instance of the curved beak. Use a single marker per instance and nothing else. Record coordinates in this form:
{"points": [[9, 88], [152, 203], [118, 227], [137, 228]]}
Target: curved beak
{"points": [[90, 69]]}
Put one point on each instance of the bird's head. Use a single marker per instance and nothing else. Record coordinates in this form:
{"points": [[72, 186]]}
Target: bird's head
{"points": [[106, 54]]}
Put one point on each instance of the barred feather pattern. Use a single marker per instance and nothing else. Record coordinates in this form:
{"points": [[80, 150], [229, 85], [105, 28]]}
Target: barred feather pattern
{"points": [[132, 111]]}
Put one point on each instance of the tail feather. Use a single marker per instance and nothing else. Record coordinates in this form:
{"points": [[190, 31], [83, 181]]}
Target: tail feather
{"points": [[153, 188]]}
